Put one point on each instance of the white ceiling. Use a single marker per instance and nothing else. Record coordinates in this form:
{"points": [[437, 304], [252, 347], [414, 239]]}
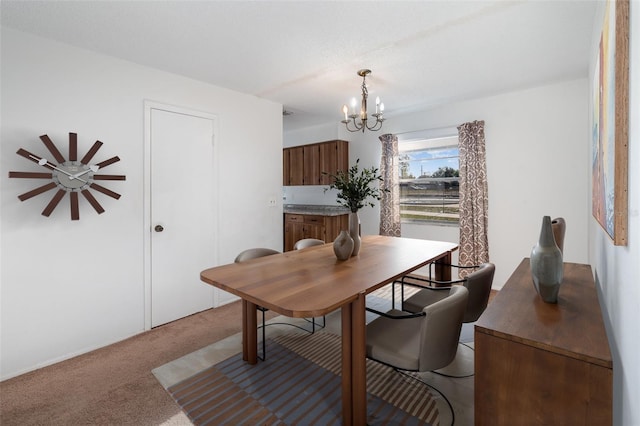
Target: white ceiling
{"points": [[305, 54]]}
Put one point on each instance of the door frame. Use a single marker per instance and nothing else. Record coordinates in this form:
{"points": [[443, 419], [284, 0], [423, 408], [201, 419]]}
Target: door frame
{"points": [[147, 225]]}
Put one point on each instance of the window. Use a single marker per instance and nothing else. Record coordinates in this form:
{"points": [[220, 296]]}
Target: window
{"points": [[429, 180]]}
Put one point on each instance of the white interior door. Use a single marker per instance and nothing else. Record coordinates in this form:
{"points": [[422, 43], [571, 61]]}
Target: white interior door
{"points": [[183, 213]]}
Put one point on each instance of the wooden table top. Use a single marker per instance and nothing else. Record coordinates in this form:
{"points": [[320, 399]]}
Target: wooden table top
{"points": [[313, 282], [573, 327]]}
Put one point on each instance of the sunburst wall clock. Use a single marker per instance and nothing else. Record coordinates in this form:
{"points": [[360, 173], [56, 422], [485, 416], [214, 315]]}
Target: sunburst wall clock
{"points": [[69, 176]]}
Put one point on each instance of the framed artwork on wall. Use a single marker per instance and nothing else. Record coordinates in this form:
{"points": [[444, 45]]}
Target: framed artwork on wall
{"points": [[610, 123]]}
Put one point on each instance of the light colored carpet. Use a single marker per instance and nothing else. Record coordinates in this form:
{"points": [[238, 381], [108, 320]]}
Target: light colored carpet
{"points": [[114, 385]]}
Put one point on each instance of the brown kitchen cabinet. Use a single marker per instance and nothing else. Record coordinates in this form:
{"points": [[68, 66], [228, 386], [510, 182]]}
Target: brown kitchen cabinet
{"points": [[334, 156], [311, 164], [304, 165], [542, 363], [294, 174], [300, 226]]}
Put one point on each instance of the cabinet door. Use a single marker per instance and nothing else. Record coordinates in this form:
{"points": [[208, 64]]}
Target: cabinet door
{"points": [[333, 225], [293, 230], [342, 156], [334, 156], [286, 174], [311, 164], [296, 166], [313, 231], [314, 227]]}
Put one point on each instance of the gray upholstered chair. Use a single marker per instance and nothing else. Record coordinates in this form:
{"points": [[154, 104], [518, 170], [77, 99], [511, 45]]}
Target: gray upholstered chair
{"points": [[300, 245], [307, 242], [254, 253], [423, 341], [477, 282]]}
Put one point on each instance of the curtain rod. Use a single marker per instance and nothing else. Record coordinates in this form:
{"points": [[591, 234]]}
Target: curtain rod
{"points": [[432, 129], [434, 133]]}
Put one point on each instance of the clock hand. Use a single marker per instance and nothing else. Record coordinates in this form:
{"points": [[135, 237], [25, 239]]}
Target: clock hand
{"points": [[45, 162], [92, 168]]}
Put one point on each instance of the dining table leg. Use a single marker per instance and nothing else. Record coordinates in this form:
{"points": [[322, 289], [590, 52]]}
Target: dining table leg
{"points": [[347, 414], [354, 367], [249, 332], [443, 267]]}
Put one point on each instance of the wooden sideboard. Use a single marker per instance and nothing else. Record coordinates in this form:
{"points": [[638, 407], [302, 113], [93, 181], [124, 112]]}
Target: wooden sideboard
{"points": [[543, 364]]}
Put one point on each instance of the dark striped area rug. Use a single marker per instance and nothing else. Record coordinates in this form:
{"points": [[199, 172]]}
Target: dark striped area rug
{"points": [[298, 384]]}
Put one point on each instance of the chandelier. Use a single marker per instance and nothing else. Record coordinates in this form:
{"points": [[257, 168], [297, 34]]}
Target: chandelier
{"points": [[362, 123]]}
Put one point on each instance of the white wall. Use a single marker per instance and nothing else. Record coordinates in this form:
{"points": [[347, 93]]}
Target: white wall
{"points": [[537, 164], [617, 268], [69, 287]]}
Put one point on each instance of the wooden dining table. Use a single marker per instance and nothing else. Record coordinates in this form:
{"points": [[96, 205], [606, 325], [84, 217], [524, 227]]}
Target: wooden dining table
{"points": [[313, 282]]}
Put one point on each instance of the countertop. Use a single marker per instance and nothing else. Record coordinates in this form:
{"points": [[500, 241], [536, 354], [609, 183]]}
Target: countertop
{"points": [[313, 209]]}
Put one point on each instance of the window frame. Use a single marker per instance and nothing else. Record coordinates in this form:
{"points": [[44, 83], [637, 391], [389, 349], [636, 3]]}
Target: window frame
{"points": [[426, 140]]}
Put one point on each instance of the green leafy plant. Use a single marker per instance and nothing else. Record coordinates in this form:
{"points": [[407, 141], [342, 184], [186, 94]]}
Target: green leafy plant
{"points": [[355, 188]]}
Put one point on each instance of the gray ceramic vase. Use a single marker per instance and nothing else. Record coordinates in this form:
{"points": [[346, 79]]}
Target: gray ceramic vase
{"points": [[343, 246], [354, 232], [546, 264]]}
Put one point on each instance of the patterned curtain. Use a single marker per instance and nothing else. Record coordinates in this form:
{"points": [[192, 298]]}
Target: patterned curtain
{"points": [[474, 201], [390, 202]]}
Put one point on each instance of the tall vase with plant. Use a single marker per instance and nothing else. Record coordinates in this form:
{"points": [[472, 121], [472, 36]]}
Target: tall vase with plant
{"points": [[355, 191]]}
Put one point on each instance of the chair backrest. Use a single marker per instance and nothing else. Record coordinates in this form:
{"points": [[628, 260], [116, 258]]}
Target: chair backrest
{"points": [[307, 242], [559, 226], [254, 253], [479, 285], [440, 330]]}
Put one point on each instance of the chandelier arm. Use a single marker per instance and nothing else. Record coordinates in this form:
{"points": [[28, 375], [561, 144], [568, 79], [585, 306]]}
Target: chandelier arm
{"points": [[355, 124], [377, 125]]}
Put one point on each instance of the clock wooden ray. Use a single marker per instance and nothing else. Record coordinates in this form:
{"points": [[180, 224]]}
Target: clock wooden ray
{"points": [[69, 176]]}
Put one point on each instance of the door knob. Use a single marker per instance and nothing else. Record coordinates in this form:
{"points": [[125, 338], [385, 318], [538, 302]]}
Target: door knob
{"points": [[159, 228]]}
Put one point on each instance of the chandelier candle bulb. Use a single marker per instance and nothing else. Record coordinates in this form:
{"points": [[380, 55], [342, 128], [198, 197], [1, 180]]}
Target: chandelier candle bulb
{"points": [[345, 110], [377, 104]]}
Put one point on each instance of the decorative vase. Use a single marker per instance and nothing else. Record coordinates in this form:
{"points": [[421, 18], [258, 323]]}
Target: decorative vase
{"points": [[343, 246], [559, 227], [354, 232], [546, 264]]}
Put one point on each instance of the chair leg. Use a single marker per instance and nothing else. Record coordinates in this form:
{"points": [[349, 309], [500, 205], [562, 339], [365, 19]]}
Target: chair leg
{"points": [[324, 323], [313, 324], [418, 379], [264, 326], [393, 295], [446, 371]]}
